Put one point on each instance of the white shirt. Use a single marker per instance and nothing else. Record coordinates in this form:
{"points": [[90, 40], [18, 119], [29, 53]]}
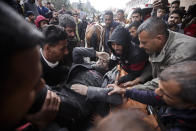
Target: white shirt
{"points": [[52, 65]]}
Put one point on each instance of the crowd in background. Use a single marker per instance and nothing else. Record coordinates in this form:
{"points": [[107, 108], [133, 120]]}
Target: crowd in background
{"points": [[48, 84]]}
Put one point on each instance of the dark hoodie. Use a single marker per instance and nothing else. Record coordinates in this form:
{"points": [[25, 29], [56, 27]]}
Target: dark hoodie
{"points": [[133, 58], [30, 5]]}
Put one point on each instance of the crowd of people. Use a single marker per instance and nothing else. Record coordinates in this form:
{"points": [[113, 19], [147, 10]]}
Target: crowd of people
{"points": [[50, 81]]}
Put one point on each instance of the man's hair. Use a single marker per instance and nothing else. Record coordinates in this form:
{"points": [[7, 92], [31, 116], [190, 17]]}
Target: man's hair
{"points": [[135, 24], [30, 13], [184, 74], [137, 10], [66, 20], [110, 13], [120, 11], [179, 12], [165, 8], [191, 10], [53, 34], [124, 120], [16, 35], [176, 2], [154, 26], [69, 12]]}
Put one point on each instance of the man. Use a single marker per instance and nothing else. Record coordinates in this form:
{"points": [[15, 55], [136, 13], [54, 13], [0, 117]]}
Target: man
{"points": [[189, 23], [30, 17], [123, 120], [131, 58], [52, 52], [42, 9], [175, 5], [19, 7], [110, 25], [80, 32], [137, 15], [40, 22], [50, 6], [68, 23], [161, 12], [30, 5], [164, 47], [121, 17], [54, 20], [175, 17], [162, 4], [133, 32], [176, 91], [63, 10], [20, 85]]}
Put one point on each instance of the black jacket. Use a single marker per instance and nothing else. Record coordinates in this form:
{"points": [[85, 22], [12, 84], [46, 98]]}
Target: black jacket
{"points": [[133, 59]]}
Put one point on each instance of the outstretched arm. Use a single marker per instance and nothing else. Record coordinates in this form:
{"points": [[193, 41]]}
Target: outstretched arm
{"points": [[97, 94], [80, 52], [144, 96]]}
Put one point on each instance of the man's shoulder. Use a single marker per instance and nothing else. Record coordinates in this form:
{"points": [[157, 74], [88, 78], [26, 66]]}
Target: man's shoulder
{"points": [[182, 47], [183, 40]]}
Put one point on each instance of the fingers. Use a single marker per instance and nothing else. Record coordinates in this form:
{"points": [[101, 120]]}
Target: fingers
{"points": [[111, 85], [158, 3], [129, 83], [47, 99], [55, 102], [52, 102], [80, 89], [112, 92], [117, 90]]}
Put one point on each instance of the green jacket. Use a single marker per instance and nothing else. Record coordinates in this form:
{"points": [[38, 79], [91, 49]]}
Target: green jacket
{"points": [[178, 48]]}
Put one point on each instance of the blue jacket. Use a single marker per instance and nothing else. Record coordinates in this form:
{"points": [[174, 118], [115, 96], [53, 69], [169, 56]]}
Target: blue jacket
{"points": [[43, 11]]}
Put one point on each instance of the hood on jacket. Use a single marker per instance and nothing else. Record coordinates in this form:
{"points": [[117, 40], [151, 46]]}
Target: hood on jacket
{"points": [[120, 36], [39, 19]]}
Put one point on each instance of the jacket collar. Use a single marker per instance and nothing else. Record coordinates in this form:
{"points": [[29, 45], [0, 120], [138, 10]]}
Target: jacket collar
{"points": [[161, 55]]}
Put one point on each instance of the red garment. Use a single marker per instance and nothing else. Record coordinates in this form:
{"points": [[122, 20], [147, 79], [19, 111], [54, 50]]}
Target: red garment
{"points": [[39, 19], [190, 30]]}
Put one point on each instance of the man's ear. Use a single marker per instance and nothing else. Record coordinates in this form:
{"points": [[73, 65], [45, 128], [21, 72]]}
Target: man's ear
{"points": [[160, 37], [46, 47]]}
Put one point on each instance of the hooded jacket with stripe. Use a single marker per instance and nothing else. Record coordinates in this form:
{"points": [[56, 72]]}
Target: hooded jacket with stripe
{"points": [[133, 59]]}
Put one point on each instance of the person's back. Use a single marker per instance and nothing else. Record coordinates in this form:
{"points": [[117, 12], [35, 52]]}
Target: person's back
{"points": [[30, 5]]}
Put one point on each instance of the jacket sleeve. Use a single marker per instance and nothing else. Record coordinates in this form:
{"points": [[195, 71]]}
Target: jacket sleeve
{"points": [[144, 96], [150, 85], [101, 95], [146, 74], [80, 52]]}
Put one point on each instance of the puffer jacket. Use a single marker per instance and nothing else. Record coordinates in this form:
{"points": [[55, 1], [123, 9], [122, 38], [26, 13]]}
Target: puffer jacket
{"points": [[133, 59]]}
